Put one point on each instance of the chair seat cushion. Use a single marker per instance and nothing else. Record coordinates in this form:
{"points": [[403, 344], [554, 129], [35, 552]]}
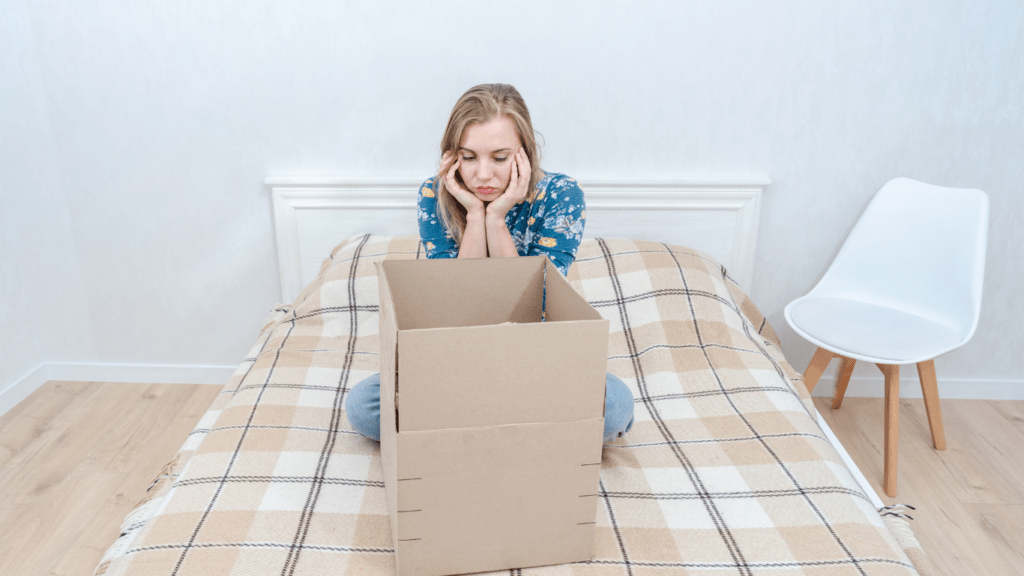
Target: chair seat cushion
{"points": [[861, 328]]}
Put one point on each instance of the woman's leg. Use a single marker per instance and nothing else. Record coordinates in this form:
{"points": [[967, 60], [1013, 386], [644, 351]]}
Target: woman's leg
{"points": [[362, 406], [618, 408]]}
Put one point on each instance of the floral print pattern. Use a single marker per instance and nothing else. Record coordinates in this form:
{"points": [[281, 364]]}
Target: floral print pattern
{"points": [[550, 224]]}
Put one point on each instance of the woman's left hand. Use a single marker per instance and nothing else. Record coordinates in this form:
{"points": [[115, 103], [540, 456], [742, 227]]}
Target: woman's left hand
{"points": [[518, 186]]}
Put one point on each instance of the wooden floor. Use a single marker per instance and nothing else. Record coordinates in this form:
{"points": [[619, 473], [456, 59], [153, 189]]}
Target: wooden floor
{"points": [[969, 497], [75, 457]]}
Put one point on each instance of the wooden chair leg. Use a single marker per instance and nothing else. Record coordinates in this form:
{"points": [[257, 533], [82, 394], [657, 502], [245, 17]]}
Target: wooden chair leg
{"points": [[930, 390], [845, 371], [892, 425], [816, 368]]}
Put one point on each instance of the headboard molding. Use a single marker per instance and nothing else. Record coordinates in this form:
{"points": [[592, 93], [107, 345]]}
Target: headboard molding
{"points": [[716, 215]]}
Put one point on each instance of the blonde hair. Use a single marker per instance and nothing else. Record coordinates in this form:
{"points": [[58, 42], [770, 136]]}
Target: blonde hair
{"points": [[482, 104]]}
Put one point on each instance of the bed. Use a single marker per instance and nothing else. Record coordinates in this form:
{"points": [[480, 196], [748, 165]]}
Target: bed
{"points": [[726, 470]]}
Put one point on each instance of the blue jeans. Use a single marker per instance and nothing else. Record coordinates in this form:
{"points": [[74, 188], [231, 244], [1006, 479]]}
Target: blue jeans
{"points": [[362, 406]]}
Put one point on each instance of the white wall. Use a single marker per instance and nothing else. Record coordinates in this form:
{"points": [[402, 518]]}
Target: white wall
{"points": [[145, 130], [43, 309]]}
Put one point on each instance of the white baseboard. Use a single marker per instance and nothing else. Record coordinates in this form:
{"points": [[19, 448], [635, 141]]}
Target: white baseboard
{"points": [[147, 373], [22, 387], [101, 372], [910, 387]]}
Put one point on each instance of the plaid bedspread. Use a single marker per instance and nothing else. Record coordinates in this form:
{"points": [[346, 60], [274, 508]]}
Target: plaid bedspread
{"points": [[724, 472]]}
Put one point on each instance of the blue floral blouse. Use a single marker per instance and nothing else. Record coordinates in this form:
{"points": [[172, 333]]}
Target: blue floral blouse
{"points": [[551, 225]]}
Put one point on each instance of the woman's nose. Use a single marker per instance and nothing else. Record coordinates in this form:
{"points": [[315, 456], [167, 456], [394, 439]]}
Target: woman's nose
{"points": [[485, 171]]}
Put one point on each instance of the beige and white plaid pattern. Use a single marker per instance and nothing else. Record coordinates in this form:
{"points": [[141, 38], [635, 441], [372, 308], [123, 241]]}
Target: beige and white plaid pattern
{"points": [[724, 472]]}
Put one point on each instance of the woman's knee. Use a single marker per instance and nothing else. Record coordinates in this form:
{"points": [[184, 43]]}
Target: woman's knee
{"points": [[362, 407], [618, 410], [365, 392], [617, 393]]}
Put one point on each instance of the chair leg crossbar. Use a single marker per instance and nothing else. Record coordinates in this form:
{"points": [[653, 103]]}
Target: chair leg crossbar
{"points": [[929, 389]]}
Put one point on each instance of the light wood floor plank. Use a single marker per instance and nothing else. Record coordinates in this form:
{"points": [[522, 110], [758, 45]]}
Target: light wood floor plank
{"points": [[27, 426], [74, 441], [71, 481], [1005, 526], [947, 529], [972, 460], [44, 530], [1012, 412], [125, 418], [172, 422], [6, 472], [992, 440], [41, 402], [160, 423], [56, 432]]}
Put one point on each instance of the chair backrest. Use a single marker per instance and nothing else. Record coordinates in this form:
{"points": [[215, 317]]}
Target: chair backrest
{"points": [[919, 248]]}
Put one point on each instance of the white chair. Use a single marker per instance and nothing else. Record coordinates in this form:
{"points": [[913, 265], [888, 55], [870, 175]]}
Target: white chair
{"points": [[904, 288]]}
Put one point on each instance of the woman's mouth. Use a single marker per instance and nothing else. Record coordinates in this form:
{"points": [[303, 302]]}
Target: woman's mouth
{"points": [[485, 190]]}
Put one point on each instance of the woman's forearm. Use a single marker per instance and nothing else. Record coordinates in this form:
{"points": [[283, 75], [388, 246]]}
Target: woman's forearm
{"points": [[499, 240], [474, 238]]}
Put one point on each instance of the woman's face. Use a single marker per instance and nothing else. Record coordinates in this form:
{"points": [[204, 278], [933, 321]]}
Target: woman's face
{"points": [[486, 156]]}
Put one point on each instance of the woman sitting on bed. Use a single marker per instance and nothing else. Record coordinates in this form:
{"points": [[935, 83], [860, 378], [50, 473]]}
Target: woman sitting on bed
{"points": [[491, 199]]}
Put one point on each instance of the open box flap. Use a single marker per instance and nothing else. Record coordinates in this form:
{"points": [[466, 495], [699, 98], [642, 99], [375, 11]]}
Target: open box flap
{"points": [[563, 302], [445, 293]]}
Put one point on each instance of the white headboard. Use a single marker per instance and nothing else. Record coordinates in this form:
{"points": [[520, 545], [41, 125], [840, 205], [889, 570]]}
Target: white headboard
{"points": [[719, 216]]}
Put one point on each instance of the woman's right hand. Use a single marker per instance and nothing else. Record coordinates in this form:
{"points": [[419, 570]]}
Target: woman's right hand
{"points": [[469, 200]]}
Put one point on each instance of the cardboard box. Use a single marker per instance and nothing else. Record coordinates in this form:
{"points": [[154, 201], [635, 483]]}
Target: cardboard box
{"points": [[491, 420]]}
